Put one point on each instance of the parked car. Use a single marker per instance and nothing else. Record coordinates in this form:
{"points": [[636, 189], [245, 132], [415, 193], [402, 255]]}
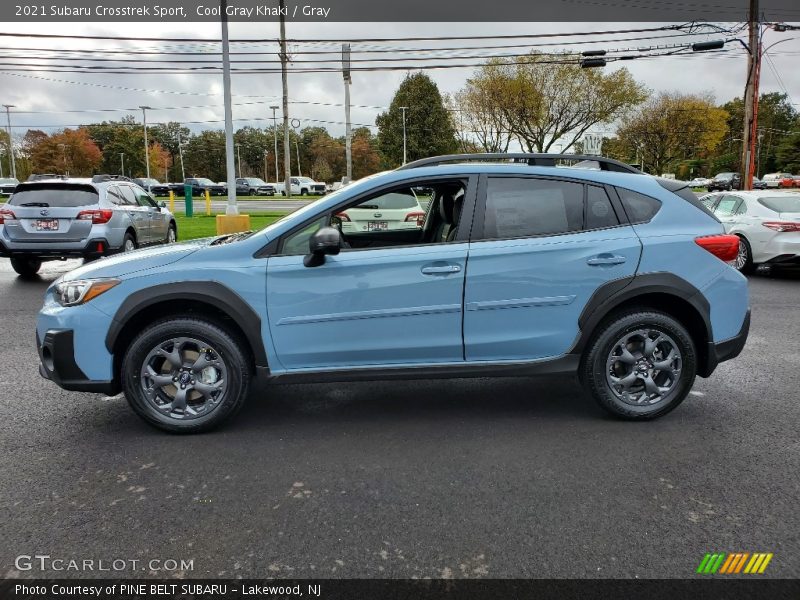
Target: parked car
{"points": [[699, 182], [516, 269], [759, 184], [767, 223], [773, 180], [8, 185], [253, 186], [79, 218], [796, 181], [787, 181], [44, 176], [302, 186], [153, 186], [725, 182], [201, 184], [394, 211]]}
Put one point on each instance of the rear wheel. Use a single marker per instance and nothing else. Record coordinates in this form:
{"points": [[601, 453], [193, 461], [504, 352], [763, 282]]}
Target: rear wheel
{"points": [[172, 234], [129, 243], [744, 259], [27, 267], [186, 375], [640, 365]]}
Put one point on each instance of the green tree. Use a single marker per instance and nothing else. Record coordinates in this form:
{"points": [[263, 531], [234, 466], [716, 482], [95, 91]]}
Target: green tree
{"points": [[168, 135], [541, 104], [672, 128], [204, 155], [788, 153], [429, 128]]}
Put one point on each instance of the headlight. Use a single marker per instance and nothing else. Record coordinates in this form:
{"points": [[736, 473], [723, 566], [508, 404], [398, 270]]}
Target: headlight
{"points": [[79, 291]]}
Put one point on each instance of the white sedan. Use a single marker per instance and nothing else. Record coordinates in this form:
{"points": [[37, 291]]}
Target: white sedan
{"points": [[767, 221], [390, 212]]}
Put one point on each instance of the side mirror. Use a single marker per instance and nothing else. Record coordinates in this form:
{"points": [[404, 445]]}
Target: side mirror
{"points": [[327, 240], [162, 204]]}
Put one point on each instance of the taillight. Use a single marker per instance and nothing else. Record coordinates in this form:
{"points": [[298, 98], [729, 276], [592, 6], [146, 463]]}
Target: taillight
{"points": [[343, 217], [782, 225], [724, 247], [419, 217], [6, 214], [98, 217]]}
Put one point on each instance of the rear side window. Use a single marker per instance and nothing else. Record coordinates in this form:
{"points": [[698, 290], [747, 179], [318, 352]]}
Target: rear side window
{"points": [[66, 196], [520, 207], [599, 211], [640, 208]]}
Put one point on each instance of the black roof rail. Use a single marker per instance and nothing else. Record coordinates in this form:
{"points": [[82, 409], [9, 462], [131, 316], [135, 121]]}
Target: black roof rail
{"points": [[104, 178], [532, 159]]}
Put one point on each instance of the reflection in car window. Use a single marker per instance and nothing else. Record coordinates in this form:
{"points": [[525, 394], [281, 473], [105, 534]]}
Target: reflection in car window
{"points": [[517, 207], [599, 211], [297, 243], [726, 206]]}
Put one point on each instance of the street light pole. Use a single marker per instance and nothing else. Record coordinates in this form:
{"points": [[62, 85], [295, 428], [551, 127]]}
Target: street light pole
{"points": [[146, 149], [180, 153], [287, 149], [239, 158], [404, 109], [266, 177], [275, 137], [10, 143], [230, 168], [297, 147], [122, 163]]}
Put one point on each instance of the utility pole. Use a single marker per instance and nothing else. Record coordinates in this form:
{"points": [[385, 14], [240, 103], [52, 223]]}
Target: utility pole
{"points": [[287, 150], [146, 149], [348, 136], [404, 109], [297, 147], [180, 153], [122, 163], [230, 168], [751, 97], [10, 142], [239, 158], [275, 138], [266, 179]]}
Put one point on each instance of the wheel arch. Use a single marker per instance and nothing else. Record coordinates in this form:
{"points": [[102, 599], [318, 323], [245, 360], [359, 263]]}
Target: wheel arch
{"points": [[660, 291], [207, 298]]}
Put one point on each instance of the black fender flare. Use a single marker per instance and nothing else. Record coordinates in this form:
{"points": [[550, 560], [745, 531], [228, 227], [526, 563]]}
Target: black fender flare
{"points": [[613, 293], [210, 292]]}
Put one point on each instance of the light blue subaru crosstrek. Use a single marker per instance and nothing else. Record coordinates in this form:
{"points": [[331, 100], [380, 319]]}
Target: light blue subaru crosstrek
{"points": [[519, 267]]}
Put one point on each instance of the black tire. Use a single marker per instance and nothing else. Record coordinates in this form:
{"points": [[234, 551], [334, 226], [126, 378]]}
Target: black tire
{"points": [[127, 240], [304, 192], [26, 267], [594, 370], [174, 230], [748, 266], [231, 351]]}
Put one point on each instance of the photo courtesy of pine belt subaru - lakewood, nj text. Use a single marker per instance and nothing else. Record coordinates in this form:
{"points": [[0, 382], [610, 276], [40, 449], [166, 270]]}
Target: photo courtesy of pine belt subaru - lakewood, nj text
{"points": [[519, 266]]}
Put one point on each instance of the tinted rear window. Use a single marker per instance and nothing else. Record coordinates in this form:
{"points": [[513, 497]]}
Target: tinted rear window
{"points": [[781, 204], [640, 208], [54, 195]]}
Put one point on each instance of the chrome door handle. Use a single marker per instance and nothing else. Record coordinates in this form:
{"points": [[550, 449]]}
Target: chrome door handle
{"points": [[606, 260], [442, 270]]}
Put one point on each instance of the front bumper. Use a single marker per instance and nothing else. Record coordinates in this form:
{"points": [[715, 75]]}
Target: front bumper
{"points": [[731, 348], [57, 363]]}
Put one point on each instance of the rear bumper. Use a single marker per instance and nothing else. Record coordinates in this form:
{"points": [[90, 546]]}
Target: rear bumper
{"points": [[94, 247], [726, 350], [57, 363]]}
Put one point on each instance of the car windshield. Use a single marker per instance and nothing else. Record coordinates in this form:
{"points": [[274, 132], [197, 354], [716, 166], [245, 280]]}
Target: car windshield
{"points": [[7, 181], [781, 204], [255, 181], [725, 176], [149, 181], [63, 195]]}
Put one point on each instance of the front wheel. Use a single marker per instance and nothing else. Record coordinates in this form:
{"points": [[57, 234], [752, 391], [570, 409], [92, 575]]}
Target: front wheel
{"points": [[27, 267], [186, 375], [640, 365]]}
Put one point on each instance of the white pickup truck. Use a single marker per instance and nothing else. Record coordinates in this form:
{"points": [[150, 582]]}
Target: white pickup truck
{"points": [[302, 186]]}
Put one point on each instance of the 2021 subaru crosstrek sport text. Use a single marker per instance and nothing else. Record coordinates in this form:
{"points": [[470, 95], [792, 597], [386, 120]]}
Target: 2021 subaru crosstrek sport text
{"points": [[520, 267]]}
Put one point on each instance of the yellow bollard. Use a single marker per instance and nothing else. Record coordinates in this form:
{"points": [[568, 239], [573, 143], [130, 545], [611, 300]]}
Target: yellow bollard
{"points": [[208, 203], [172, 202]]}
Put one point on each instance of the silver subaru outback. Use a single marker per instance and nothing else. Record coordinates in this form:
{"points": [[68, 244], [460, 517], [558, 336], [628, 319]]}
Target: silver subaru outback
{"points": [[56, 219]]}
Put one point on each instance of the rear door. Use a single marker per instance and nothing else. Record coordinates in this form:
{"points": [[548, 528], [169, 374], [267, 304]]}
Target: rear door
{"points": [[540, 248], [140, 215], [48, 212]]}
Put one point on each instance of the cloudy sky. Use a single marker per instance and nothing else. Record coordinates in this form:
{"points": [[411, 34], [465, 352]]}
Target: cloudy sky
{"points": [[54, 100]]}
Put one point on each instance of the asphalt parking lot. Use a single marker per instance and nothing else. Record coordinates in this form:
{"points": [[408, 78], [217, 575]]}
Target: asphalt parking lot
{"points": [[463, 478]]}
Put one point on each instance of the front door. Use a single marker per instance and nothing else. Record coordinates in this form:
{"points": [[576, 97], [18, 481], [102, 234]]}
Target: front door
{"points": [[537, 258], [393, 297]]}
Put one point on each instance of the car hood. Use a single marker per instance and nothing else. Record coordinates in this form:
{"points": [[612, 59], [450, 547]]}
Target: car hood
{"points": [[138, 260]]}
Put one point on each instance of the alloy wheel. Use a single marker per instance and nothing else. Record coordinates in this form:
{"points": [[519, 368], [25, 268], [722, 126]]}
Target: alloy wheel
{"points": [[643, 367], [741, 257], [184, 378]]}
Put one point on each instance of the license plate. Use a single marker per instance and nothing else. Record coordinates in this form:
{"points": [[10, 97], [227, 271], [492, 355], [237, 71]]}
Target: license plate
{"points": [[377, 225], [47, 225]]}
